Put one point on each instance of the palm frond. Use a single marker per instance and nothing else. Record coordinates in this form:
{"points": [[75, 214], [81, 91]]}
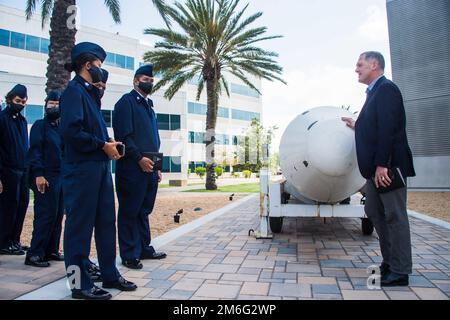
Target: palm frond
{"points": [[114, 8]]}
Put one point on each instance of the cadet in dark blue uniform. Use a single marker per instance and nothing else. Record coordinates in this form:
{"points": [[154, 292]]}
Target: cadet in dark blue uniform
{"points": [[45, 158], [135, 125], [87, 182], [14, 192], [92, 268]]}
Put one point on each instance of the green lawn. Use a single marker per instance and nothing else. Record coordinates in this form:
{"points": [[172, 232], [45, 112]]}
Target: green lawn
{"points": [[239, 188]]}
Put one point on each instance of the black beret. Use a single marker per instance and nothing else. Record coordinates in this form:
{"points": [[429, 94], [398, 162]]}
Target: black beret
{"points": [[87, 47], [53, 95], [19, 90], [146, 70]]}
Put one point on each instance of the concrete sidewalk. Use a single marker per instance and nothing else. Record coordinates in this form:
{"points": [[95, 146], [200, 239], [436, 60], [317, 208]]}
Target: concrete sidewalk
{"points": [[309, 260]]}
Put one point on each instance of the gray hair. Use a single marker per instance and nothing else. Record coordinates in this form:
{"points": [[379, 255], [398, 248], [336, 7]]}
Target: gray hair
{"points": [[375, 55]]}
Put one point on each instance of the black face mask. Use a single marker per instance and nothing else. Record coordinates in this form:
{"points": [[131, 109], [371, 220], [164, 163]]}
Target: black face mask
{"points": [[16, 108], [96, 74], [146, 87], [53, 114]]}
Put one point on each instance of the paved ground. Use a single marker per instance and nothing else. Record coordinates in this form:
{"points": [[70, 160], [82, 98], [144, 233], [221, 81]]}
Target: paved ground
{"points": [[17, 279], [309, 260]]}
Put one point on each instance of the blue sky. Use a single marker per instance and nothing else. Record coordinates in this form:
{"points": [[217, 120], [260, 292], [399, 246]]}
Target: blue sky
{"points": [[321, 42]]}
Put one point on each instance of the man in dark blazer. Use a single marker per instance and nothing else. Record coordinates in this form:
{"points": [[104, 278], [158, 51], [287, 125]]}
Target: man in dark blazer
{"points": [[381, 143]]}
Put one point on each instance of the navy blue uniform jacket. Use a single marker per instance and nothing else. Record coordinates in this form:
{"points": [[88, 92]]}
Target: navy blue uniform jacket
{"points": [[13, 140], [82, 126], [135, 125], [45, 154], [381, 131]]}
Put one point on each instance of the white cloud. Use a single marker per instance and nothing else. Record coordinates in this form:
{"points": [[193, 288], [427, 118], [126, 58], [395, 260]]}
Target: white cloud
{"points": [[375, 27]]}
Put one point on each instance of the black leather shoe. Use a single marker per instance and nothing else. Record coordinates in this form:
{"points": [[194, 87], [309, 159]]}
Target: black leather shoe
{"points": [[12, 251], [120, 284], [54, 257], [95, 293], [132, 264], [18, 246], [154, 255], [393, 279], [36, 261], [94, 273]]}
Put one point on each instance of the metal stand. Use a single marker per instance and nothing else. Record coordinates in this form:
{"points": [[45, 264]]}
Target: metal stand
{"points": [[264, 178]]}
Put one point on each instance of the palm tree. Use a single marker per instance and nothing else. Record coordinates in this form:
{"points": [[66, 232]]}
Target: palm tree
{"points": [[214, 39], [63, 31]]}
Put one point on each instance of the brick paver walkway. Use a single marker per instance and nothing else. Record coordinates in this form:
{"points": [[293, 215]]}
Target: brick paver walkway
{"points": [[309, 260], [17, 279]]}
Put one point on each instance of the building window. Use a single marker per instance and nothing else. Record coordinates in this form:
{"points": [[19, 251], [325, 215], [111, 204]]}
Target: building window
{"points": [[175, 122], [196, 164], [119, 61], [107, 116], [222, 139], [175, 164], [199, 137], [45, 43], [4, 37], [244, 90], [32, 43], [130, 63], [196, 137], [110, 59], [22, 41], [168, 121], [163, 121], [33, 113], [17, 40], [199, 108], [244, 115], [166, 164]]}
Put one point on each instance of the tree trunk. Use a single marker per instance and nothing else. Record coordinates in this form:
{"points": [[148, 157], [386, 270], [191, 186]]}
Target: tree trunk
{"points": [[62, 40], [210, 137]]}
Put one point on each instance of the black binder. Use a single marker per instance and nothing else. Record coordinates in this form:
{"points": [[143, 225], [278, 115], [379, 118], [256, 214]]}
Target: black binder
{"points": [[157, 159], [397, 181]]}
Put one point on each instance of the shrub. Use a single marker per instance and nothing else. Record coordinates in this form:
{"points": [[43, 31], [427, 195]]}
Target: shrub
{"points": [[200, 171], [218, 171], [247, 174]]}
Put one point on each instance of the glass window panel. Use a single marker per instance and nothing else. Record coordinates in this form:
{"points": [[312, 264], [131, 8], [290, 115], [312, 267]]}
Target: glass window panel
{"points": [[166, 164], [191, 137], [17, 40], [32, 43], [33, 113], [120, 61], [163, 121], [175, 122], [130, 63], [175, 164], [110, 59], [45, 43], [4, 37], [223, 112]]}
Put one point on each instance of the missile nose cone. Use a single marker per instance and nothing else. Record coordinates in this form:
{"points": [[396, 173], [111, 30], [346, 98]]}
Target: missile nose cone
{"points": [[331, 147]]}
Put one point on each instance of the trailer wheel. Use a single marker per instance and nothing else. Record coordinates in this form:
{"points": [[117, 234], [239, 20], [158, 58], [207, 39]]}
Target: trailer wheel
{"points": [[366, 226], [276, 224], [285, 197]]}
